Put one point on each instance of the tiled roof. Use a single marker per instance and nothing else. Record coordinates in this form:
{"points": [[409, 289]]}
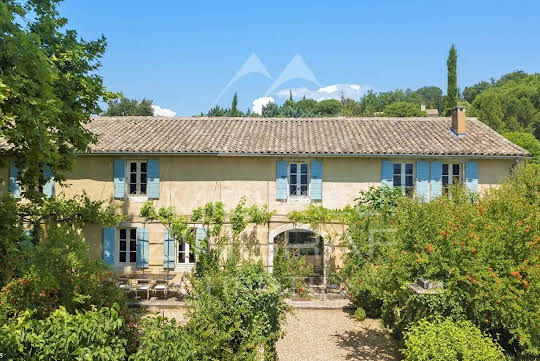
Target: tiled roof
{"points": [[314, 136], [317, 136]]}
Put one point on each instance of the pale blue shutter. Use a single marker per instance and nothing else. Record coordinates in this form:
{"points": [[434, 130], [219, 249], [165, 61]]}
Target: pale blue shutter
{"points": [[108, 245], [435, 184], [153, 178], [14, 187], [281, 179], [119, 178], [387, 173], [471, 176], [142, 247], [200, 234], [422, 179], [316, 180], [168, 250], [48, 188]]}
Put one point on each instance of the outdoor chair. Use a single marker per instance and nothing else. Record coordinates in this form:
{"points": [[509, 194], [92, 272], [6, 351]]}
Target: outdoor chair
{"points": [[143, 285], [123, 284], [161, 286]]}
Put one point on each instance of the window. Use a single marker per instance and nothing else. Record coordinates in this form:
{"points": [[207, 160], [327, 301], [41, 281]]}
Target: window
{"points": [[298, 179], [137, 177], [451, 174], [127, 246], [186, 255], [403, 177]]}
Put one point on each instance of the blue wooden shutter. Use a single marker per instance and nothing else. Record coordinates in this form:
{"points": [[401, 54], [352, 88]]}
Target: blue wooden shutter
{"points": [[316, 180], [422, 179], [387, 173], [142, 247], [14, 187], [168, 249], [471, 176], [200, 234], [153, 178], [281, 179], [109, 245], [119, 178], [48, 188], [435, 184]]}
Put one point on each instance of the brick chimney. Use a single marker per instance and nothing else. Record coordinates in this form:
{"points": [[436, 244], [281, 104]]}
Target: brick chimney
{"points": [[459, 121]]}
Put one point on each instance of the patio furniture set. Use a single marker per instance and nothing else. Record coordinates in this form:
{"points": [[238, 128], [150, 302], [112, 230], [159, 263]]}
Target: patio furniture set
{"points": [[146, 286]]}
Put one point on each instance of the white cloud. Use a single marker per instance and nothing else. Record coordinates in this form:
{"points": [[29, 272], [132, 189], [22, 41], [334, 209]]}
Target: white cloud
{"points": [[162, 112], [260, 102], [335, 91]]}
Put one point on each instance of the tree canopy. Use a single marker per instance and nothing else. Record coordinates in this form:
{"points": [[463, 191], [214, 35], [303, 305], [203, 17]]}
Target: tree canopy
{"points": [[48, 89], [125, 107]]}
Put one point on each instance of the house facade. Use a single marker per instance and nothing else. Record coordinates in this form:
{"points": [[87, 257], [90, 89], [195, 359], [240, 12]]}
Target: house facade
{"points": [[284, 164]]}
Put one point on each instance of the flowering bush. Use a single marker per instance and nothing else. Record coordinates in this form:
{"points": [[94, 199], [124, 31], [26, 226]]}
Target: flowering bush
{"points": [[446, 340], [484, 249]]}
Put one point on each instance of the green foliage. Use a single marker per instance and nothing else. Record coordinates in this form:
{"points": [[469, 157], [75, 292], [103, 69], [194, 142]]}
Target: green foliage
{"points": [[512, 104], [164, 340], [270, 110], [528, 142], [360, 314], [329, 108], [290, 269], [452, 90], [88, 335], [50, 90], [403, 109], [59, 272], [380, 198], [236, 314], [12, 239], [484, 249], [234, 107], [128, 107], [471, 92], [446, 340]]}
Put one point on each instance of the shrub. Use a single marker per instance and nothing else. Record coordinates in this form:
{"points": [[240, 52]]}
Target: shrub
{"points": [[360, 314], [235, 314], [60, 272], [87, 335], [484, 249], [446, 340], [290, 269], [164, 340]]}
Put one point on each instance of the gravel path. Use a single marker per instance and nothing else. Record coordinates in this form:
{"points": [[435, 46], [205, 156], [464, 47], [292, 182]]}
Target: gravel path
{"points": [[313, 335]]}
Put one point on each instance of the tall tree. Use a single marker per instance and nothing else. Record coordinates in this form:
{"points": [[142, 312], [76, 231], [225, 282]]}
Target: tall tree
{"points": [[127, 107], [49, 88], [452, 90], [234, 106]]}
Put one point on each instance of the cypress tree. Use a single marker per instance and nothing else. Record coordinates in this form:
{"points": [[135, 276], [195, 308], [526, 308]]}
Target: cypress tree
{"points": [[234, 110], [452, 90]]}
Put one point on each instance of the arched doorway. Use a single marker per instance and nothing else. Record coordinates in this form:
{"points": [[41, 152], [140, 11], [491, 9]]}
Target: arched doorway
{"points": [[306, 244]]}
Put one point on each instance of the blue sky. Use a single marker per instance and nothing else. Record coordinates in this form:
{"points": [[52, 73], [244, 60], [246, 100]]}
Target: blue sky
{"points": [[182, 54]]}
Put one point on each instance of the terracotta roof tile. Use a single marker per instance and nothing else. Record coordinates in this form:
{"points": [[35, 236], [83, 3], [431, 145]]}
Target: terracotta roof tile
{"points": [[332, 136]]}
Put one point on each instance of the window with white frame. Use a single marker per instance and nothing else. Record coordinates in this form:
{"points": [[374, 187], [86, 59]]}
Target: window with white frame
{"points": [[451, 173], [186, 254], [138, 177], [298, 179], [127, 246], [403, 177]]}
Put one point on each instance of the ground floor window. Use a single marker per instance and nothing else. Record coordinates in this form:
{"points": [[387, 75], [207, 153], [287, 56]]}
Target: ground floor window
{"points": [[451, 174], [127, 246], [403, 177], [186, 254]]}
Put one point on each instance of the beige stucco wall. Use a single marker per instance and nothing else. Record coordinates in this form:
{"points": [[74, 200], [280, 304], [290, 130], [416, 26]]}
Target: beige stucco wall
{"points": [[187, 182]]}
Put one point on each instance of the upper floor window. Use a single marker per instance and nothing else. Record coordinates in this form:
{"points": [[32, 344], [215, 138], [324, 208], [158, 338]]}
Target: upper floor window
{"points": [[403, 177], [127, 246], [298, 179], [451, 174], [138, 177]]}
